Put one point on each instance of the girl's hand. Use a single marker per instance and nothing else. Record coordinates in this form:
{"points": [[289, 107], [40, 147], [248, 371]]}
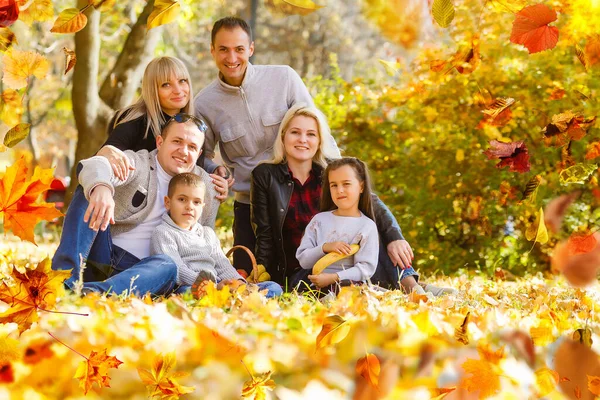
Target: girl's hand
{"points": [[338, 247], [223, 283], [323, 280], [118, 161]]}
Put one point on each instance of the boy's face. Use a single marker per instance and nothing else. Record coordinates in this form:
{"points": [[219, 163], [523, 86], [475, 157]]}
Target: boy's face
{"points": [[185, 205]]}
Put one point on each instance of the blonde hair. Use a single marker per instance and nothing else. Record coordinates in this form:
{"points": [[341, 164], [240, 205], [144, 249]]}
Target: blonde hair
{"points": [[324, 152], [158, 71]]}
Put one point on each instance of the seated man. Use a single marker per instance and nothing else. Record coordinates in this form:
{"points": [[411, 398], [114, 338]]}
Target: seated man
{"points": [[195, 248], [118, 258]]}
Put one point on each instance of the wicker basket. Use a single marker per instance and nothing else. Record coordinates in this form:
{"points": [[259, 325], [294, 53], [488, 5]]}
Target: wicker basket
{"points": [[254, 272]]}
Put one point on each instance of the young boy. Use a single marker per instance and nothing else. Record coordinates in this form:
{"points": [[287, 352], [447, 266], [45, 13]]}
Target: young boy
{"points": [[194, 248]]}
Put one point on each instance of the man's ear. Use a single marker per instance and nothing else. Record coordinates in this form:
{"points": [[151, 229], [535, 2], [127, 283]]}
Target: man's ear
{"points": [[167, 203], [251, 48], [159, 141]]}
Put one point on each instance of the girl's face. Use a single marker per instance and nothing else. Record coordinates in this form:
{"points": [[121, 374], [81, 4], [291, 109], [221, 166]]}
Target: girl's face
{"points": [[173, 94], [301, 139], [345, 188]]}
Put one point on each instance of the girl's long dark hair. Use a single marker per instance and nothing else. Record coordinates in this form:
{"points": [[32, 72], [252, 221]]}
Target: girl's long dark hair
{"points": [[362, 174]]}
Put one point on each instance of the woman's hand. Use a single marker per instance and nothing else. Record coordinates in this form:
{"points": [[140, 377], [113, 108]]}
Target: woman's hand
{"points": [[323, 280], [400, 253], [220, 186], [120, 163], [338, 247]]}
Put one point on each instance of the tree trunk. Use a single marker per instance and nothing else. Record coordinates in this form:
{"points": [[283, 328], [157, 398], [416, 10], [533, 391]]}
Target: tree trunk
{"points": [[120, 85], [93, 107]]}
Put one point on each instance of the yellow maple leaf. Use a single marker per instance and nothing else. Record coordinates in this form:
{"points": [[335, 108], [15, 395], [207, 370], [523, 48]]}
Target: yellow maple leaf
{"points": [[537, 231], [213, 297], [334, 330], [159, 382], [257, 386], [38, 10], [18, 199], [95, 369], [19, 66], [594, 384], [9, 350], [292, 7], [34, 290]]}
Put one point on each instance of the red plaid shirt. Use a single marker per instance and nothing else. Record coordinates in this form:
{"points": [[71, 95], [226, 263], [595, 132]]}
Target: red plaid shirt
{"points": [[304, 204]]}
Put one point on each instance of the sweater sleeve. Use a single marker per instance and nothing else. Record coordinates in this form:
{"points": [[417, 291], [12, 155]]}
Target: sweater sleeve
{"points": [[222, 265], [163, 242], [310, 250], [297, 91], [96, 171], [365, 259]]}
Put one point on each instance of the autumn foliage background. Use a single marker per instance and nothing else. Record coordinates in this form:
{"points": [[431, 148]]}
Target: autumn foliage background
{"points": [[470, 127]]}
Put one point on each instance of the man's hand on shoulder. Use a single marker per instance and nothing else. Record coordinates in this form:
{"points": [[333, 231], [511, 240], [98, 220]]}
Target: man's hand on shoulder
{"points": [[221, 186], [400, 253], [101, 208]]}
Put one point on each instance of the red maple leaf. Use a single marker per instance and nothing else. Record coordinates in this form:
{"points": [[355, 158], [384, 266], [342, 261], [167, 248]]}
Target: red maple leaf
{"points": [[514, 155], [531, 29]]}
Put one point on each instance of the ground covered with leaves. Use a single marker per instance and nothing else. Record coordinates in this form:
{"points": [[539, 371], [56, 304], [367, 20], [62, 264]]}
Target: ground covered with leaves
{"points": [[499, 338]]}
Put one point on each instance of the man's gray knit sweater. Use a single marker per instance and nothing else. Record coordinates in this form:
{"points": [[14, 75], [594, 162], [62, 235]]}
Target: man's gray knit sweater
{"points": [[192, 250], [244, 120], [135, 197]]}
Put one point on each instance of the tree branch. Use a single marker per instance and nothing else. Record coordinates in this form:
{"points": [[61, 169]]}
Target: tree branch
{"points": [[121, 82]]}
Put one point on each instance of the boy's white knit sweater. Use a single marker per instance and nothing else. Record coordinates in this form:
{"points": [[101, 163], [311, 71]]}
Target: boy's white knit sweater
{"points": [[192, 250], [326, 227]]}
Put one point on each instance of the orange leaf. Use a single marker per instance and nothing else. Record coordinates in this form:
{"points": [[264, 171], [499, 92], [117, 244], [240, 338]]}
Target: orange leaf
{"points": [[557, 94], [37, 351], [160, 382], [466, 59], [581, 243], [70, 20], [592, 50], [19, 66], [7, 374], [484, 377], [70, 59], [531, 29], [36, 289], [486, 353], [257, 387], [95, 369], [593, 151], [577, 392], [579, 269], [460, 333], [369, 368], [594, 384], [18, 199]]}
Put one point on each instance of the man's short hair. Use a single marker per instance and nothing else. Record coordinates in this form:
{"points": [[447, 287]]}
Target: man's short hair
{"points": [[230, 23], [186, 179]]}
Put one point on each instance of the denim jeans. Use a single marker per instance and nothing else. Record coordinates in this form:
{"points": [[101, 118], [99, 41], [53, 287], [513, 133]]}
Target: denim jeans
{"points": [[387, 275], [273, 288], [109, 268]]}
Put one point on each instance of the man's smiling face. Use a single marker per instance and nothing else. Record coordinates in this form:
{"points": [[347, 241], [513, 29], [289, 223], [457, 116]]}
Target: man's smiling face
{"points": [[179, 147], [231, 50]]}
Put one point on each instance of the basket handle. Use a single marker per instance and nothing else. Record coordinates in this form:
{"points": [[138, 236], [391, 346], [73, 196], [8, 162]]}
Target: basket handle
{"points": [[252, 259]]}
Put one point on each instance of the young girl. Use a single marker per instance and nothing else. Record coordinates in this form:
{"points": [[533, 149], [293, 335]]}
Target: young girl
{"points": [[346, 218]]}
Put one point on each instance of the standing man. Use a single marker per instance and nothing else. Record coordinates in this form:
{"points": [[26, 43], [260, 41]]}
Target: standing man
{"points": [[244, 107]]}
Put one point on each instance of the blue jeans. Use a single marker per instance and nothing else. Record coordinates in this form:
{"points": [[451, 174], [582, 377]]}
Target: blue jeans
{"points": [[387, 274], [109, 268], [273, 288]]}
